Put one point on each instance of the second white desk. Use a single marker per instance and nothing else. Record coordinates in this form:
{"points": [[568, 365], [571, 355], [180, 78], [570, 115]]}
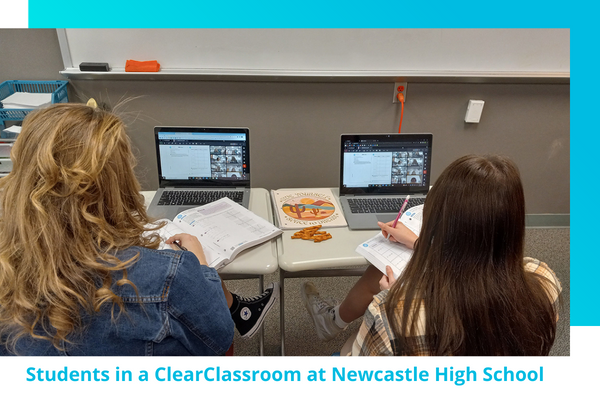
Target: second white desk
{"points": [[334, 257]]}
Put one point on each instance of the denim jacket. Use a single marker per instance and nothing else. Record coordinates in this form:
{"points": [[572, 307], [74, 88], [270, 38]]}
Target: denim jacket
{"points": [[182, 312]]}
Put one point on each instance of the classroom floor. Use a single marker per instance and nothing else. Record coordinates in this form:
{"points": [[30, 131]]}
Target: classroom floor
{"points": [[549, 245]]}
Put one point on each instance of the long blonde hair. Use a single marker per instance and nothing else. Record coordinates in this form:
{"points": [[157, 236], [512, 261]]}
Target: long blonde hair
{"points": [[70, 203]]}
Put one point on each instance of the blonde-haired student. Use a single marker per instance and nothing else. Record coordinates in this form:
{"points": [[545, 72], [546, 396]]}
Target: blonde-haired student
{"points": [[80, 273]]}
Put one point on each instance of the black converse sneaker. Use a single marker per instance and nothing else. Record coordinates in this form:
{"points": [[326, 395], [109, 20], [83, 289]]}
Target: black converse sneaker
{"points": [[249, 313]]}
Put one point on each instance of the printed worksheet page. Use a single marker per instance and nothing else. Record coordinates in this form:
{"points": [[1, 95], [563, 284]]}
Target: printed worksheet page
{"points": [[224, 228], [381, 252]]}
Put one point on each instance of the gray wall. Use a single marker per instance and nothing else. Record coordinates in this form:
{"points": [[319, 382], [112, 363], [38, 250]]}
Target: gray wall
{"points": [[295, 127]]}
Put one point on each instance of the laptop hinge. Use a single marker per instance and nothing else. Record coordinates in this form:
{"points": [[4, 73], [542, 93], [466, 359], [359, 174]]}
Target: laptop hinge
{"points": [[206, 188], [384, 194]]}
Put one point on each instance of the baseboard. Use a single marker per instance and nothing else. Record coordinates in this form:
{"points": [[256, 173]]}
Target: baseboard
{"points": [[548, 220]]}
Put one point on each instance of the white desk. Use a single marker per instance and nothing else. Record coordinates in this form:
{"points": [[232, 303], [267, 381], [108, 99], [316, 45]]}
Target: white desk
{"points": [[256, 261], [334, 257]]}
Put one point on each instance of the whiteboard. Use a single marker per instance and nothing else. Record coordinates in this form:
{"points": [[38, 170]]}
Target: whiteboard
{"points": [[326, 52]]}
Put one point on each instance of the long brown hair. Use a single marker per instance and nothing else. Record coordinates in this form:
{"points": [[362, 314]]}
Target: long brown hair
{"points": [[467, 270], [70, 203]]}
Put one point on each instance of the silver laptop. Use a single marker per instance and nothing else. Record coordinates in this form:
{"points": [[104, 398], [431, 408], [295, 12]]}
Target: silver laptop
{"points": [[198, 165], [378, 171]]}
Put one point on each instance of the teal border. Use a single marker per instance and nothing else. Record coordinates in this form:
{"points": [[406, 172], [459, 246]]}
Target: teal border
{"points": [[389, 14], [299, 14]]}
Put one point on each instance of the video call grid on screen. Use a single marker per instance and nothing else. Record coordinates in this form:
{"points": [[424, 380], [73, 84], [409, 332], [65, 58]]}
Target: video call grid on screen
{"points": [[380, 163], [197, 155]]}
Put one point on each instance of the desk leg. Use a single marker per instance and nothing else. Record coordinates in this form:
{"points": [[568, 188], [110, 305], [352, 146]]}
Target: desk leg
{"points": [[261, 336], [282, 310]]}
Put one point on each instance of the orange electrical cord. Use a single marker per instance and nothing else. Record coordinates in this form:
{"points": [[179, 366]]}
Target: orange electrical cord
{"points": [[400, 97]]}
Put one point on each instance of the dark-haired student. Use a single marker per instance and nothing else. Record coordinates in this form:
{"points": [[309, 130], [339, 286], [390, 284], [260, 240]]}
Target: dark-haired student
{"points": [[467, 290]]}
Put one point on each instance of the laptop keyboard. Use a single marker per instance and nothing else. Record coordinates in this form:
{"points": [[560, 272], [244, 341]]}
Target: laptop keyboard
{"points": [[383, 205], [197, 197]]}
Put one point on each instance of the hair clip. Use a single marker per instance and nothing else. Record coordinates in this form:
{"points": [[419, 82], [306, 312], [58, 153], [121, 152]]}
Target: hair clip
{"points": [[92, 103]]}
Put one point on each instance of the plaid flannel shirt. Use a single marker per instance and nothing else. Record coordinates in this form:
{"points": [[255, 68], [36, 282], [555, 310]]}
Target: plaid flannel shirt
{"points": [[375, 334]]}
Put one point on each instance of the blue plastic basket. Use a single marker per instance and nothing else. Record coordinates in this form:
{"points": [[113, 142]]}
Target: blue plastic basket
{"points": [[58, 88]]}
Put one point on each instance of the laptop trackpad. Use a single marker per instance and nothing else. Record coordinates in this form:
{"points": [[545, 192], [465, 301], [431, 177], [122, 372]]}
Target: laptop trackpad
{"points": [[385, 217]]}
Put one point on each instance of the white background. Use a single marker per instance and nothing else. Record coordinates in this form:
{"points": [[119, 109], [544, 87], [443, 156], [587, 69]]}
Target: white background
{"points": [[14, 14], [569, 384]]}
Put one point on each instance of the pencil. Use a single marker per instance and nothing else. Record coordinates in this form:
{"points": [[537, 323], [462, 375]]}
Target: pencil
{"points": [[399, 214]]}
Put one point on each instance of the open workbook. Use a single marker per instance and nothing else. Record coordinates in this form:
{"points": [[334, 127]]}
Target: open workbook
{"points": [[381, 252], [224, 228]]}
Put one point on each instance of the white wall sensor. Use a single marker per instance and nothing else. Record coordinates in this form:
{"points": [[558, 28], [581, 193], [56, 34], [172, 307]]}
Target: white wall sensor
{"points": [[474, 110]]}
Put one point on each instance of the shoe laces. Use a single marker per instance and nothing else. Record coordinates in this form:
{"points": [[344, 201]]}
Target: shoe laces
{"points": [[321, 303], [250, 299]]}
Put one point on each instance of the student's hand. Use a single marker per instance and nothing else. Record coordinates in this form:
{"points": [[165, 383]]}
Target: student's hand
{"points": [[388, 279], [399, 234], [189, 242]]}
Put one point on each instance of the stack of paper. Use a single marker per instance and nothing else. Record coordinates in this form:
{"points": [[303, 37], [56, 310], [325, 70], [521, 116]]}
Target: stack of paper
{"points": [[10, 134], [23, 100], [5, 149]]}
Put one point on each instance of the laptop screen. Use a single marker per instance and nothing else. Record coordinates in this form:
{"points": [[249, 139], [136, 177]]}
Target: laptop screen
{"points": [[201, 156], [385, 163]]}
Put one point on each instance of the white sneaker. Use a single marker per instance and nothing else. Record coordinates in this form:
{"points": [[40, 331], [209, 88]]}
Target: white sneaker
{"points": [[321, 311]]}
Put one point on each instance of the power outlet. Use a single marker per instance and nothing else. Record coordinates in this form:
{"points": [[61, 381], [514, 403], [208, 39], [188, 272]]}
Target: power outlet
{"points": [[399, 87]]}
